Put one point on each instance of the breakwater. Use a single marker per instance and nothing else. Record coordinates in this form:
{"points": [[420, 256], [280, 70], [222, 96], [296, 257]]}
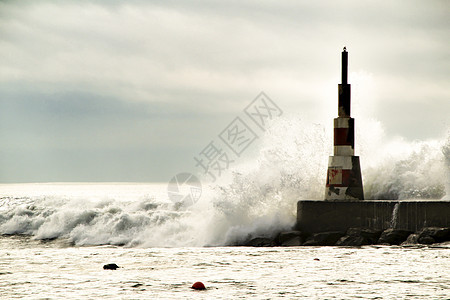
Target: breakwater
{"points": [[322, 216], [357, 223]]}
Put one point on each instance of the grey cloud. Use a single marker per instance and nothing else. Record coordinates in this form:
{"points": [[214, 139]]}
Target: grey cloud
{"points": [[102, 75]]}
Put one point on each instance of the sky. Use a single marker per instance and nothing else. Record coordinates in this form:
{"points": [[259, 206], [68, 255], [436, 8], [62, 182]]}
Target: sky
{"points": [[133, 90]]}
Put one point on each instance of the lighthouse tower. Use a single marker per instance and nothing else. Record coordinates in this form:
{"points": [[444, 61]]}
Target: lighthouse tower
{"points": [[344, 172]]}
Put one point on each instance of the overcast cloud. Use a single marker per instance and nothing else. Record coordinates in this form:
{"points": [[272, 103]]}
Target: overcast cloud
{"points": [[131, 90]]}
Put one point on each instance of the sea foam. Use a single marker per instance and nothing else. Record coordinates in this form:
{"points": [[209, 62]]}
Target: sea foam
{"points": [[258, 198]]}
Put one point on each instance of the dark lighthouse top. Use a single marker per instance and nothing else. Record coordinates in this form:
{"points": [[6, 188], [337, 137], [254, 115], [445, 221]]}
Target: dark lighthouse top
{"points": [[344, 65], [344, 89]]}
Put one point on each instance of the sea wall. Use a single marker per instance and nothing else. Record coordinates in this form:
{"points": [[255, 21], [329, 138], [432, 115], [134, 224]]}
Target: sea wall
{"points": [[325, 216]]}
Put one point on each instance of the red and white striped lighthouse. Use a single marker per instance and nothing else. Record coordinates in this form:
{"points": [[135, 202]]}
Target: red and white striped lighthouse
{"points": [[344, 172]]}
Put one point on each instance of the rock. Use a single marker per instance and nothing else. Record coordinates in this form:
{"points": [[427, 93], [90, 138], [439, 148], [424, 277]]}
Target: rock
{"points": [[324, 238], [394, 236], [412, 239], [287, 235], [290, 238], [438, 234], [311, 242], [295, 241], [427, 240], [352, 241], [110, 267], [359, 237], [261, 242], [371, 235]]}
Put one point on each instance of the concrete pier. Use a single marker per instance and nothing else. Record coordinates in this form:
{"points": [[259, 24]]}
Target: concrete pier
{"points": [[323, 216]]}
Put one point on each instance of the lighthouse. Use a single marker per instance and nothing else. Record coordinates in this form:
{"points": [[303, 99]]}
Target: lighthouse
{"points": [[344, 172], [343, 207]]}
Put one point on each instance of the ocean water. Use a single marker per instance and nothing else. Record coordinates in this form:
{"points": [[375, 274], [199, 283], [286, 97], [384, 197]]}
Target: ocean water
{"points": [[52, 270], [55, 237]]}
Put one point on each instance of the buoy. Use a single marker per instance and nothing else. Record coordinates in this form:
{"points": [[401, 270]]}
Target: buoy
{"points": [[110, 267], [198, 286]]}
